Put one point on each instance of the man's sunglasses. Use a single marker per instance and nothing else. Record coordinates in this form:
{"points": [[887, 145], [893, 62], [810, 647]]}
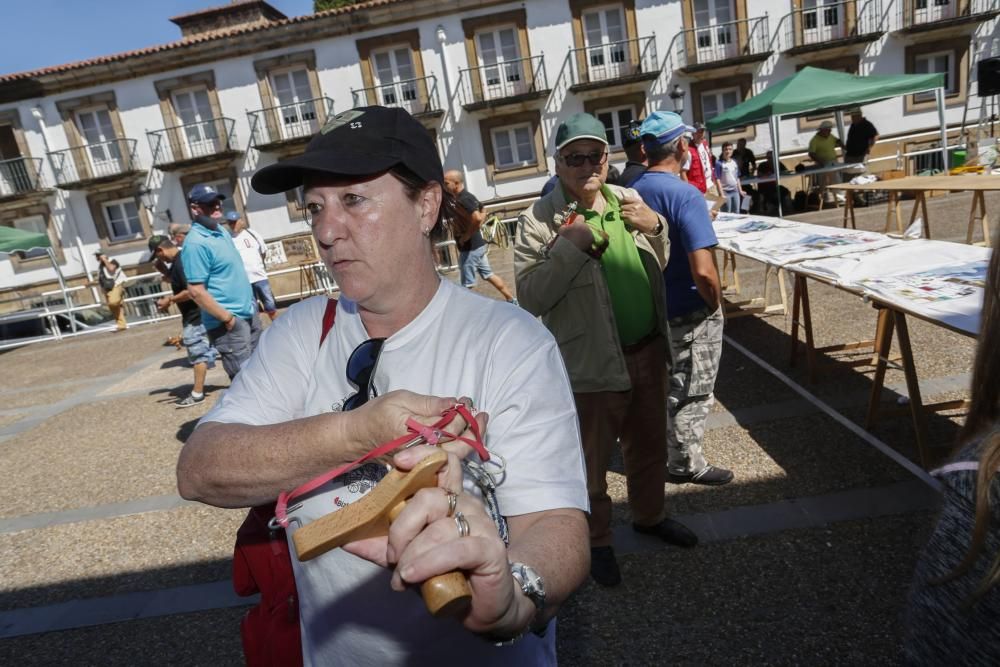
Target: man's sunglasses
{"points": [[596, 158], [361, 367]]}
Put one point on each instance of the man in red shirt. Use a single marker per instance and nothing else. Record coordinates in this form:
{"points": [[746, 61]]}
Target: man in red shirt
{"points": [[698, 168]]}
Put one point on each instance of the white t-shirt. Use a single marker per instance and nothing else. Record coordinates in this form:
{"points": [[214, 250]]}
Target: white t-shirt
{"points": [[252, 250], [461, 344], [729, 174]]}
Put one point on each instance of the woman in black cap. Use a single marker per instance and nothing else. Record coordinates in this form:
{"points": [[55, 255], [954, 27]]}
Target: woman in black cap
{"points": [[372, 183]]}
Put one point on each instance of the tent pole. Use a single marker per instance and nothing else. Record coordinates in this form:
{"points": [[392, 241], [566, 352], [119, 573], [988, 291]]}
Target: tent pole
{"points": [[939, 96], [840, 131], [776, 159], [62, 287]]}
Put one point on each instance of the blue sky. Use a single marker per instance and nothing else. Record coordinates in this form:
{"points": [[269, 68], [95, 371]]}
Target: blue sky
{"points": [[42, 33]]}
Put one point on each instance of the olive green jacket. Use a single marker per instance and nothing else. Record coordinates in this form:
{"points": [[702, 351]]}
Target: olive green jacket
{"points": [[566, 288]]}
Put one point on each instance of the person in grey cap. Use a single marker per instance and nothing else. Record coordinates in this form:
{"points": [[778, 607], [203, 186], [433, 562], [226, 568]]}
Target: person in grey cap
{"points": [[331, 380], [217, 281], [588, 261]]}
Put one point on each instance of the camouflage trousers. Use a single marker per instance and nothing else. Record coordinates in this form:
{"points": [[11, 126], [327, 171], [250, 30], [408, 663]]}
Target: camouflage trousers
{"points": [[696, 340]]}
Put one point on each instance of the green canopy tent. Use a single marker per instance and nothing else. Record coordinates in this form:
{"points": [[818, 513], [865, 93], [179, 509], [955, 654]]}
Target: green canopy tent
{"points": [[813, 91], [18, 240]]}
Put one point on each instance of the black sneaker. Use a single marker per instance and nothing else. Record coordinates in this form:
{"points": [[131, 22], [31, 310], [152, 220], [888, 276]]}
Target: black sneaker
{"points": [[604, 567], [668, 530], [190, 400], [709, 476]]}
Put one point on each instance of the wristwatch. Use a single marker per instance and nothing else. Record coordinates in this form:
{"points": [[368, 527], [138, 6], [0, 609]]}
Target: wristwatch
{"points": [[658, 229], [530, 583]]}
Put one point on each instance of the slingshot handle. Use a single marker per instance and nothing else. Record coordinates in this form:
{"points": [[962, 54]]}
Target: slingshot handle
{"points": [[446, 594]]}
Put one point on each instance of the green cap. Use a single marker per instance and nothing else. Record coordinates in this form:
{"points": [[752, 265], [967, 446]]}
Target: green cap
{"points": [[155, 240], [580, 126]]}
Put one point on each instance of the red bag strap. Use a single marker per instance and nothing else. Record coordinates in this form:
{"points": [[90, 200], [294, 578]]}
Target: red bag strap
{"points": [[329, 315], [416, 433]]}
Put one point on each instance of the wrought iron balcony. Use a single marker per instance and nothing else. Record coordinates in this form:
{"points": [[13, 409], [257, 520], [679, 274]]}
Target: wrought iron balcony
{"points": [[418, 96], [182, 145], [20, 176], [288, 123], [924, 15], [76, 168], [615, 62], [831, 25], [503, 83], [732, 42]]}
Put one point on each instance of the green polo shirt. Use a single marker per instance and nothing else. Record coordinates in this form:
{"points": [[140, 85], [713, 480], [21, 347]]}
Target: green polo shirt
{"points": [[631, 294]]}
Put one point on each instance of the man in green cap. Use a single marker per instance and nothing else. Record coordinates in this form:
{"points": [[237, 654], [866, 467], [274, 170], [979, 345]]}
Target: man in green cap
{"points": [[200, 352], [588, 260]]}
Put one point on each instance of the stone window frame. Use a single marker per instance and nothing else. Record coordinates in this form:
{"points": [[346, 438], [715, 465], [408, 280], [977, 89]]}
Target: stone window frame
{"points": [[742, 34], [367, 46], [7, 218], [68, 109], [165, 88], [849, 16], [265, 67], [636, 99], [12, 117], [577, 9], [486, 127], [742, 81], [470, 26], [96, 201], [959, 46]]}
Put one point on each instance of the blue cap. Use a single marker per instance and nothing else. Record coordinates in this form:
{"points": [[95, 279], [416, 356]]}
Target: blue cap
{"points": [[662, 127], [232, 216], [204, 194]]}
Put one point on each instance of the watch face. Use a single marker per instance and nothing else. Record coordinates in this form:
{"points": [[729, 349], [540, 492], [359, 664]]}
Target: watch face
{"points": [[530, 583]]}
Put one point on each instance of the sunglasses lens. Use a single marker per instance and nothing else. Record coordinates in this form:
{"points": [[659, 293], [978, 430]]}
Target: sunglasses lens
{"points": [[360, 369], [577, 159]]}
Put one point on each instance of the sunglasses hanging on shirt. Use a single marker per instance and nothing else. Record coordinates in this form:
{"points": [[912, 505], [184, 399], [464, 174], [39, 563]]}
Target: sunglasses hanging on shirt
{"points": [[361, 367]]}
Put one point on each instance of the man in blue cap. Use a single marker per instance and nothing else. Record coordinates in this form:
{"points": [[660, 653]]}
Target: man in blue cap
{"points": [[588, 262], [694, 298], [217, 281]]}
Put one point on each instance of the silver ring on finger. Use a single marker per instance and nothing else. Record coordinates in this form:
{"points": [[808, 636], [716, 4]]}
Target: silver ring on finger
{"points": [[462, 523], [452, 503]]}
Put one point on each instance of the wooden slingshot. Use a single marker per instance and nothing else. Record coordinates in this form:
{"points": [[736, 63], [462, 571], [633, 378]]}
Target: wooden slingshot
{"points": [[446, 594]]}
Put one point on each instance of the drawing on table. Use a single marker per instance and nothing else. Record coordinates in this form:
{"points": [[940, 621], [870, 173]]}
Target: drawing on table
{"points": [[755, 226], [820, 242], [943, 284]]}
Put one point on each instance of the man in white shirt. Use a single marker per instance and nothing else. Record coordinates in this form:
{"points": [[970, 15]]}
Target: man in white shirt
{"points": [[253, 250]]}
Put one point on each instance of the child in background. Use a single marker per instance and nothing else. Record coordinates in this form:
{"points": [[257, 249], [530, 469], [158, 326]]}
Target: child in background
{"points": [[727, 173]]}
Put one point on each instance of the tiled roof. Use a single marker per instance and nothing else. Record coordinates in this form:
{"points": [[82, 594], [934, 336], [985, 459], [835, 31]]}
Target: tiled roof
{"points": [[190, 41]]}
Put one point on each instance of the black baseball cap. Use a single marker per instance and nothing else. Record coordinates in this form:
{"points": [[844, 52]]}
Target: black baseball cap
{"points": [[632, 134], [358, 142]]}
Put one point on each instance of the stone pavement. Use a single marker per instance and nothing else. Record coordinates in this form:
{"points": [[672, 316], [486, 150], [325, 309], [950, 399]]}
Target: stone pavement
{"points": [[806, 557]]}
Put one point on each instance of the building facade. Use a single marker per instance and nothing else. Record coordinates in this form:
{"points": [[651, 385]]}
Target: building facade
{"points": [[98, 154]]}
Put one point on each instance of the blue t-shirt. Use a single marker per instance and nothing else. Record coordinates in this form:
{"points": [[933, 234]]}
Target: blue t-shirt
{"points": [[210, 258], [689, 227]]}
